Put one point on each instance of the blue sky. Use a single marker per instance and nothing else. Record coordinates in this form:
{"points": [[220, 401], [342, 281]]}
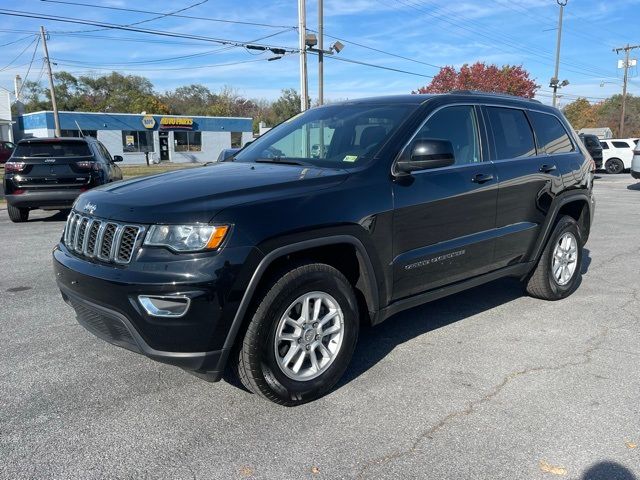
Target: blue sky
{"points": [[430, 33]]}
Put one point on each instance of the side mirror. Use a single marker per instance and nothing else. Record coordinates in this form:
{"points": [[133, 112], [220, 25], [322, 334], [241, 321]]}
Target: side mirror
{"points": [[426, 154], [117, 158]]}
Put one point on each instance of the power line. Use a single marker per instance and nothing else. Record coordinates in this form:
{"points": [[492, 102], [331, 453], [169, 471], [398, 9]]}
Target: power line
{"points": [[55, 18], [148, 12], [17, 41], [174, 68], [167, 59], [373, 65], [475, 33], [158, 17], [19, 55], [26, 76]]}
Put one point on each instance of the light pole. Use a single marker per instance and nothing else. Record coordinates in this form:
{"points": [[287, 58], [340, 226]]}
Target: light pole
{"points": [[554, 81], [302, 34]]}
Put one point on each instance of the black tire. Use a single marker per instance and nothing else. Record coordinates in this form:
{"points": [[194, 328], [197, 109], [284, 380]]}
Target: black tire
{"points": [[614, 166], [18, 215], [542, 282], [257, 365]]}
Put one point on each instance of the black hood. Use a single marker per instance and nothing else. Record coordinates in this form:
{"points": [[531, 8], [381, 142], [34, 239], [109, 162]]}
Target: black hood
{"points": [[198, 194]]}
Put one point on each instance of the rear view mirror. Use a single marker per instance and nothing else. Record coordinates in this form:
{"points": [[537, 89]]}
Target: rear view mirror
{"points": [[117, 158], [426, 154]]}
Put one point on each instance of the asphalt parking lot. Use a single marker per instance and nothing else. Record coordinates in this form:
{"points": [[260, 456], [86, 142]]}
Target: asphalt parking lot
{"points": [[488, 383]]}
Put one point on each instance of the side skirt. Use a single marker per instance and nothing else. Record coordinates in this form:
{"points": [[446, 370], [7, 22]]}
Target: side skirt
{"points": [[519, 270]]}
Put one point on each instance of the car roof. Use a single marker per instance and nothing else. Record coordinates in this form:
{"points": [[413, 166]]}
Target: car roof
{"points": [[454, 96]]}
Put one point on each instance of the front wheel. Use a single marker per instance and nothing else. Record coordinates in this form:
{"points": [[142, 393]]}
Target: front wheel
{"points": [[614, 166], [301, 337], [558, 273]]}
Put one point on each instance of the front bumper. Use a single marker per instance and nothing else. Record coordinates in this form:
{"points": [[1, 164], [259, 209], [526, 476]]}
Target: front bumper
{"points": [[53, 199], [105, 299]]}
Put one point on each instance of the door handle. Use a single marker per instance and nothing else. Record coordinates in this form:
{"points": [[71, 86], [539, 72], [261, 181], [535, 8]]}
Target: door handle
{"points": [[482, 178], [547, 168]]}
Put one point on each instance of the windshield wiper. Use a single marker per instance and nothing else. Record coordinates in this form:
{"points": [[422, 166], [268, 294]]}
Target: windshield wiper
{"points": [[284, 161]]}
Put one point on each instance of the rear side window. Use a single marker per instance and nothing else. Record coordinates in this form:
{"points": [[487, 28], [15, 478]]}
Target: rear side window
{"points": [[604, 145], [512, 133], [591, 142], [621, 144], [52, 149], [552, 136]]}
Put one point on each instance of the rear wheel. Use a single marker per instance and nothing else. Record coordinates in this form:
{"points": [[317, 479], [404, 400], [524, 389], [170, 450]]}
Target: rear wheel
{"points": [[614, 166], [18, 215], [301, 337], [558, 274]]}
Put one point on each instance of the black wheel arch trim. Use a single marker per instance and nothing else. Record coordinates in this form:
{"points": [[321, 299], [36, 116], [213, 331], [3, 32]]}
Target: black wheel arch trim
{"points": [[369, 277], [552, 216]]}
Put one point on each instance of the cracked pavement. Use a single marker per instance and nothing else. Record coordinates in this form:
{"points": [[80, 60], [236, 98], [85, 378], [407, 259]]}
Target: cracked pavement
{"points": [[488, 383]]}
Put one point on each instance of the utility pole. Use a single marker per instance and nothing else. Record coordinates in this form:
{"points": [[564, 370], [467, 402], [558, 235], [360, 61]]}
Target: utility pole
{"points": [[626, 65], [302, 33], [320, 52], [56, 119], [554, 80]]}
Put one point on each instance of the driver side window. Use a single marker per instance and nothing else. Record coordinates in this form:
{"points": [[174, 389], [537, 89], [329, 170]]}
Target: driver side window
{"points": [[459, 125]]}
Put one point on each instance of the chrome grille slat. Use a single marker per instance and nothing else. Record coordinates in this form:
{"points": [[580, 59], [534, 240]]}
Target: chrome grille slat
{"points": [[107, 241]]}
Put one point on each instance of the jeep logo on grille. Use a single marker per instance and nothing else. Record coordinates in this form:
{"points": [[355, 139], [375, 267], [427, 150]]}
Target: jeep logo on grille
{"points": [[50, 160], [90, 208]]}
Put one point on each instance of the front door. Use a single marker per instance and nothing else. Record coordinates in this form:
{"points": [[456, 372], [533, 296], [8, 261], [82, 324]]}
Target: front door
{"points": [[164, 146], [444, 218]]}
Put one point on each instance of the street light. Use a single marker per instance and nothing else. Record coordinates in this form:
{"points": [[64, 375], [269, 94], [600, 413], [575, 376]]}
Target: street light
{"points": [[554, 80]]}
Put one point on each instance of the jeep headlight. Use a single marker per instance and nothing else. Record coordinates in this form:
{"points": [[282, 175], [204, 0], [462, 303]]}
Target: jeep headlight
{"points": [[186, 238]]}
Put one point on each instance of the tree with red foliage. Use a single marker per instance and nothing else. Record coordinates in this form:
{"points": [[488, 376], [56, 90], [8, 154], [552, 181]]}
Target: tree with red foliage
{"points": [[510, 79]]}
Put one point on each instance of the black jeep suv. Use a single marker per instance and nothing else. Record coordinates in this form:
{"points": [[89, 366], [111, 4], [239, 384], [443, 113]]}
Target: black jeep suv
{"points": [[50, 173], [346, 213]]}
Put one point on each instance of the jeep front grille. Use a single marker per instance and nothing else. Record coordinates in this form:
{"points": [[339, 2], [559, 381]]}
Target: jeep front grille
{"points": [[101, 239]]}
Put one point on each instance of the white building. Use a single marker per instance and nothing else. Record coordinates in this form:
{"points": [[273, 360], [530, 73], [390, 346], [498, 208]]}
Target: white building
{"points": [[171, 138]]}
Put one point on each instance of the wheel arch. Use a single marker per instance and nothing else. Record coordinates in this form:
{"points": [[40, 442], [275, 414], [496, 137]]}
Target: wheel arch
{"points": [[578, 206], [318, 249]]}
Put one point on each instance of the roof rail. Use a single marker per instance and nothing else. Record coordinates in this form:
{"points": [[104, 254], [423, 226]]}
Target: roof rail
{"points": [[492, 94]]}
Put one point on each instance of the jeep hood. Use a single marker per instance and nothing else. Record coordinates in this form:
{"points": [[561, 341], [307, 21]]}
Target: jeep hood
{"points": [[198, 194]]}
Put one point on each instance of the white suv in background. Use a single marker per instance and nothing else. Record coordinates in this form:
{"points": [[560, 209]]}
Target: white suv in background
{"points": [[617, 154], [635, 163]]}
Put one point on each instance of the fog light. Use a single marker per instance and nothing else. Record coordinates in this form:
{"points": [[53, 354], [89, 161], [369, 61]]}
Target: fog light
{"points": [[165, 306]]}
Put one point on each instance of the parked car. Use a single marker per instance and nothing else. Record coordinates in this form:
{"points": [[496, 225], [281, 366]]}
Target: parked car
{"points": [[6, 149], [635, 162], [617, 154], [592, 142], [269, 263], [50, 173], [227, 153]]}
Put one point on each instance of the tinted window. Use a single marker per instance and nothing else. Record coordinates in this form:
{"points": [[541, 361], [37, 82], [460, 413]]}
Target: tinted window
{"points": [[52, 149], [512, 133], [334, 136], [604, 145], [621, 145], [591, 142], [551, 134], [459, 126]]}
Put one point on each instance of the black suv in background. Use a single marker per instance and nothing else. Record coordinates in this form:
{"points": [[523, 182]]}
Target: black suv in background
{"points": [[592, 142], [269, 263], [50, 173]]}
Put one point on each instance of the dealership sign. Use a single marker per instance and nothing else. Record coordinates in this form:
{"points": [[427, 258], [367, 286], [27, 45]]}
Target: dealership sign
{"points": [[176, 123], [148, 122]]}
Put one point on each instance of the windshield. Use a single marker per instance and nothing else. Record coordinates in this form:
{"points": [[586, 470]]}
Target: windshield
{"points": [[52, 149], [332, 136]]}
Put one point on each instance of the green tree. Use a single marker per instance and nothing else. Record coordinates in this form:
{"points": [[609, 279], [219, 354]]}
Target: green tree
{"points": [[581, 114], [608, 115], [286, 106], [194, 99]]}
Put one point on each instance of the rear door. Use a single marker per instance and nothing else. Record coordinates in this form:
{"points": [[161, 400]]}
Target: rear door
{"points": [[444, 218], [529, 180], [53, 164]]}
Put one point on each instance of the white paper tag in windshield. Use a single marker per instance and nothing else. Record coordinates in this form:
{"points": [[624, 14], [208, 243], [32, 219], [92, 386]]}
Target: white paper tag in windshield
{"points": [[350, 158]]}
